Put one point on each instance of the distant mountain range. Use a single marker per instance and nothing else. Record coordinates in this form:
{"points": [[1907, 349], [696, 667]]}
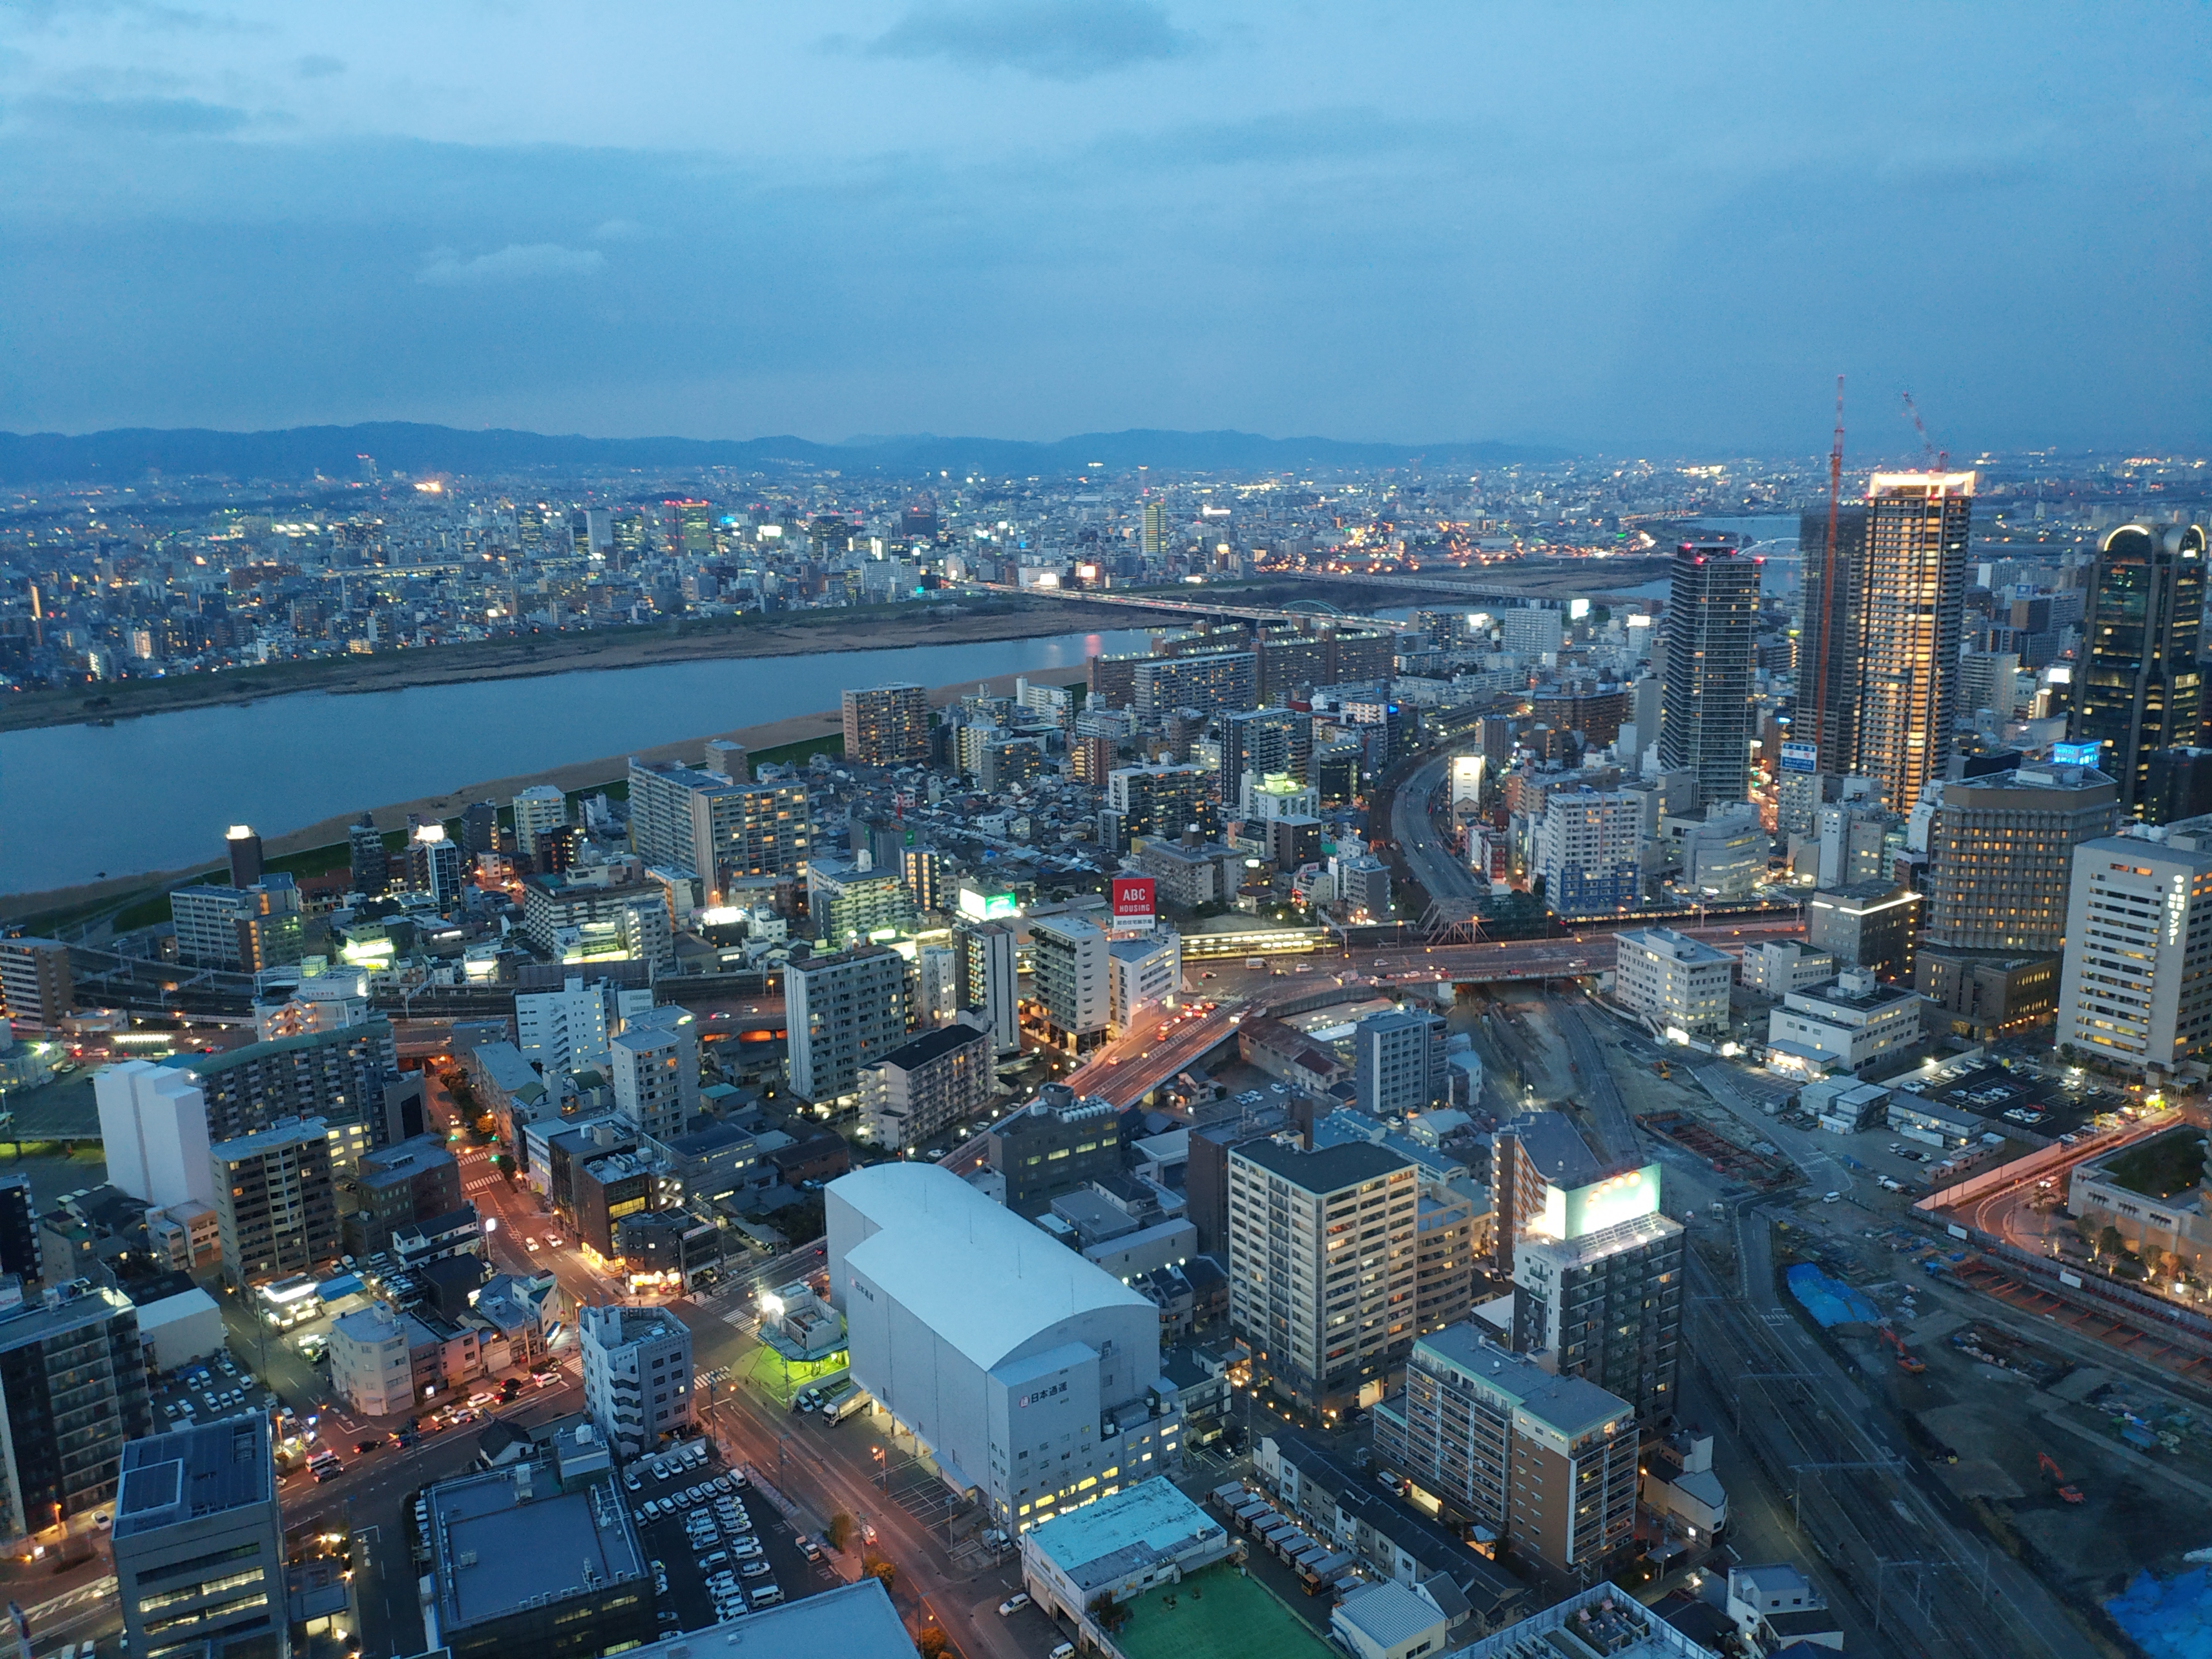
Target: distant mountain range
{"points": [[299, 454]]}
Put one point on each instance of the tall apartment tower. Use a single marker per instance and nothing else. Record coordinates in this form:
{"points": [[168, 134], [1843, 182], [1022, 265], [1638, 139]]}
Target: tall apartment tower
{"points": [[36, 987], [1704, 706], [2001, 855], [199, 1542], [655, 1071], [1321, 1265], [2138, 689], [73, 1387], [1546, 1463], [843, 1011], [989, 980], [1881, 631], [1398, 1062], [637, 1375], [369, 859], [276, 1201], [1155, 533], [2136, 990], [1071, 974], [887, 726], [539, 810]]}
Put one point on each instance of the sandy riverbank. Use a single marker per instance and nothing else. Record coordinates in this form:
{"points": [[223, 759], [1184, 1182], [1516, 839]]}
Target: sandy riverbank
{"points": [[802, 632], [579, 775]]}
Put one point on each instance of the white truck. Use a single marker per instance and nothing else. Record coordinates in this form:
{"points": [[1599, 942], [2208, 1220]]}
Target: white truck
{"points": [[845, 1405]]}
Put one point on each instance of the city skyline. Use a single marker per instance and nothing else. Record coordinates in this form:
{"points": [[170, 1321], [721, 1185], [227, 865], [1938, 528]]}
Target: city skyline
{"points": [[1030, 220]]}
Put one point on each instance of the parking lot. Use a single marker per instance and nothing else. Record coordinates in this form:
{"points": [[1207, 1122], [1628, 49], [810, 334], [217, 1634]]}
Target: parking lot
{"points": [[690, 1510], [208, 1390]]}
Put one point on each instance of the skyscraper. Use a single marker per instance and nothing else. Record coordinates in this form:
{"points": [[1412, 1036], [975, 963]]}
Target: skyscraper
{"points": [[1155, 531], [1881, 632], [1704, 710], [245, 849], [887, 726], [2138, 689]]}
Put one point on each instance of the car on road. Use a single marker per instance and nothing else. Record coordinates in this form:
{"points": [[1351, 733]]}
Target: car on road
{"points": [[1013, 1604], [362, 1448], [529, 1244]]}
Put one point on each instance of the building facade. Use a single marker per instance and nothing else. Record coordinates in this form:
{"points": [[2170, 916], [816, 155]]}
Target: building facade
{"points": [[1597, 1286], [199, 1542], [1586, 851], [1323, 1264], [843, 1011], [73, 1383], [1704, 709], [276, 1201], [887, 726], [1673, 983], [926, 1086], [2139, 688], [637, 1375], [2001, 855], [36, 988], [2135, 989], [1068, 970], [1398, 1062]]}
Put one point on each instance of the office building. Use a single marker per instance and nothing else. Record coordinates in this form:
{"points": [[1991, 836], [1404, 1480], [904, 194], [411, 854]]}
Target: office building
{"points": [[239, 929], [2136, 989], [1672, 981], [154, 1132], [20, 1253], [940, 1080], [1883, 620], [721, 829], [537, 1557], [73, 1387], [637, 1375], [1586, 851], [1398, 1062], [1781, 965], [199, 1542], [1040, 1396], [1068, 973], [2001, 855], [36, 988], [1846, 1026], [1597, 1288], [1321, 1266], [1724, 855], [371, 1367], [1704, 708], [276, 1201], [1215, 682], [842, 1011], [1873, 925], [1153, 544], [1545, 1463], [566, 1030], [1118, 1546], [989, 976], [2139, 688], [849, 901], [1142, 975], [653, 1064], [1052, 1146], [887, 726]]}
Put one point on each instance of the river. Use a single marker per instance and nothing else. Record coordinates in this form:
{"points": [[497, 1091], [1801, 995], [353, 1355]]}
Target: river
{"points": [[78, 802]]}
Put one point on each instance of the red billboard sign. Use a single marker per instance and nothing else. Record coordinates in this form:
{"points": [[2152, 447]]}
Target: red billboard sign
{"points": [[1134, 899]]}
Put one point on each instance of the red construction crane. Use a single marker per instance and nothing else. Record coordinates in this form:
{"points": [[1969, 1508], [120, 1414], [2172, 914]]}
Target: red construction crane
{"points": [[1942, 457], [1828, 588]]}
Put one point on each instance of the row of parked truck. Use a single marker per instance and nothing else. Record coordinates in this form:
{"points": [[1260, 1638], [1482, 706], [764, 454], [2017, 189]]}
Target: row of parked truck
{"points": [[836, 1397]]}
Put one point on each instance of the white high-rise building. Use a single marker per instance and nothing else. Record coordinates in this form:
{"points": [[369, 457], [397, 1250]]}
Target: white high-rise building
{"points": [[1676, 982], [153, 1133], [539, 808], [637, 1375], [563, 1030], [1142, 973], [2135, 991], [1586, 850], [1069, 958], [990, 979], [654, 1069]]}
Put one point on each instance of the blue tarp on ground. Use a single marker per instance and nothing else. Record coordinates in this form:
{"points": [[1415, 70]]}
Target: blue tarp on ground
{"points": [[1828, 1301], [2168, 1620]]}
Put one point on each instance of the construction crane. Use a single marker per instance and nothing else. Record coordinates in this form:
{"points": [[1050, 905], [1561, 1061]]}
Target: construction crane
{"points": [[1941, 457], [2067, 1493], [1828, 586]]}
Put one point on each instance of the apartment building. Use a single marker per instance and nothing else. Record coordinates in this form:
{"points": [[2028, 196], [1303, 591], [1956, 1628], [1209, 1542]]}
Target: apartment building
{"points": [[1548, 1463], [637, 1375], [653, 1064], [1398, 1062], [36, 988], [843, 1011], [924, 1087], [276, 1201], [1323, 1259], [72, 1393], [1068, 959], [887, 726]]}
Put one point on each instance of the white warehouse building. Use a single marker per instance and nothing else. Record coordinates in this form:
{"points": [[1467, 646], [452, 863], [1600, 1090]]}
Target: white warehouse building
{"points": [[1030, 1374]]}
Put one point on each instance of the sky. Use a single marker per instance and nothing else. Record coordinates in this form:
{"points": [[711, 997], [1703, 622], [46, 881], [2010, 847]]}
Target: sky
{"points": [[1613, 226]]}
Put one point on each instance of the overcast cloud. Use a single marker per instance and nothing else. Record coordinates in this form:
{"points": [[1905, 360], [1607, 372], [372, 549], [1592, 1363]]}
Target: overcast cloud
{"points": [[1626, 226]]}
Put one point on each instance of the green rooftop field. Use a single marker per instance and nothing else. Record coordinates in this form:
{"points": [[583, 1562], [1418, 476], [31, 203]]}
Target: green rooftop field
{"points": [[1217, 1616]]}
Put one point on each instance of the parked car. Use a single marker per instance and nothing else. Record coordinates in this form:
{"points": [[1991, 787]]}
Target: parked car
{"points": [[1013, 1604]]}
